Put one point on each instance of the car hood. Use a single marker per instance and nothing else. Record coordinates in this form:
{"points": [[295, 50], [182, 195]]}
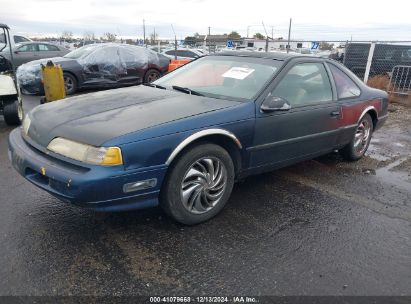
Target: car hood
{"points": [[59, 60], [30, 72], [98, 117]]}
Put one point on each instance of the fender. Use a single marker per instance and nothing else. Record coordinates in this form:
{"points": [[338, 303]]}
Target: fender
{"points": [[366, 110], [198, 135], [7, 86]]}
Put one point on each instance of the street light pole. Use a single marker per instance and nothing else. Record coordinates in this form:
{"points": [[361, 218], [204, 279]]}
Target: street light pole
{"points": [[175, 43], [209, 41], [289, 35], [144, 32]]}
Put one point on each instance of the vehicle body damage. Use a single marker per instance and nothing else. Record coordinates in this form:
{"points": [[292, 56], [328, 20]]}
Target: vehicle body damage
{"points": [[182, 141], [106, 65]]}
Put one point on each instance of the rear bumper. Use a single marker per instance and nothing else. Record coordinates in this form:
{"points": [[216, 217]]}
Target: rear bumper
{"points": [[96, 187], [381, 121]]}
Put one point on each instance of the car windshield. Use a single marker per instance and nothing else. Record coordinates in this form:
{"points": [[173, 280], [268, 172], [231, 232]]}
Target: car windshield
{"points": [[226, 77], [80, 53]]}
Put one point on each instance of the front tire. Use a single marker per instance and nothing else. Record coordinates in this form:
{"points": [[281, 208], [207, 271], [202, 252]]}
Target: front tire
{"points": [[151, 75], [360, 141], [13, 113], [198, 185], [70, 83]]}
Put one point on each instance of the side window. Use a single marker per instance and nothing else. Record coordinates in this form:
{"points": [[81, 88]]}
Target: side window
{"points": [[181, 53], [28, 48], [406, 54], [305, 84], [346, 88], [43, 48], [190, 54], [47, 47], [171, 52], [20, 39]]}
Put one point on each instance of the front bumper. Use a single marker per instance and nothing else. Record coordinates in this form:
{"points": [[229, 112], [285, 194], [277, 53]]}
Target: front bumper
{"points": [[96, 187]]}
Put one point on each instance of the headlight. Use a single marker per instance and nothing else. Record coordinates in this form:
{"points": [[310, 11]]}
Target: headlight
{"points": [[26, 124], [110, 156]]}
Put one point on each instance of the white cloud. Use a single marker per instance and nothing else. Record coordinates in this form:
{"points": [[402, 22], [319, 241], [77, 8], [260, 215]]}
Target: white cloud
{"points": [[311, 19]]}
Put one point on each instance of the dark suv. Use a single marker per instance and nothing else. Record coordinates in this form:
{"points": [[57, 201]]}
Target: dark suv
{"points": [[386, 56]]}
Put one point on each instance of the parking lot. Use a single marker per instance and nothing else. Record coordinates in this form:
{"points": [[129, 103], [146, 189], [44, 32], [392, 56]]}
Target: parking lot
{"points": [[321, 227]]}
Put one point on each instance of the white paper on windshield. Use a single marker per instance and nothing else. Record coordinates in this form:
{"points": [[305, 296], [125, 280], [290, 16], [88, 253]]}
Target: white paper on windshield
{"points": [[238, 73]]}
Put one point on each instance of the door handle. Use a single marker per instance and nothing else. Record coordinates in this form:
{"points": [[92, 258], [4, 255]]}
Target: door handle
{"points": [[335, 113]]}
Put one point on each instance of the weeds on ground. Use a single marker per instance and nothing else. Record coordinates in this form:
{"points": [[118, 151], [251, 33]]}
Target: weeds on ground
{"points": [[382, 82]]}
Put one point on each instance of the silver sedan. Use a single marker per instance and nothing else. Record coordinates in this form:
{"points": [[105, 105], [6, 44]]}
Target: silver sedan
{"points": [[29, 51]]}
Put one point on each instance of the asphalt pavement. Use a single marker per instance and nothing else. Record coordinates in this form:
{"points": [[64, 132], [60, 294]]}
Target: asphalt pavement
{"points": [[321, 227]]}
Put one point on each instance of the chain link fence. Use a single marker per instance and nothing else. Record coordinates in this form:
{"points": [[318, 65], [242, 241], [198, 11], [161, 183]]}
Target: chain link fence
{"points": [[388, 64], [383, 64]]}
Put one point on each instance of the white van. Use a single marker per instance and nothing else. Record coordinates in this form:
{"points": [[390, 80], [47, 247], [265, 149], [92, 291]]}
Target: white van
{"points": [[15, 39]]}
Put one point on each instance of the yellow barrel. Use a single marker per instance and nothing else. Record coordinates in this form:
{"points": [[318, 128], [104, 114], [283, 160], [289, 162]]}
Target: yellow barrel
{"points": [[53, 81]]}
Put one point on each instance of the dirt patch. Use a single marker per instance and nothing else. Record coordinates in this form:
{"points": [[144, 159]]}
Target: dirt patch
{"points": [[398, 114], [404, 166]]}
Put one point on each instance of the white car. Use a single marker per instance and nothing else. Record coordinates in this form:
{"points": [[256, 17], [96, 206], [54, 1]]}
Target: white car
{"points": [[182, 54], [15, 39]]}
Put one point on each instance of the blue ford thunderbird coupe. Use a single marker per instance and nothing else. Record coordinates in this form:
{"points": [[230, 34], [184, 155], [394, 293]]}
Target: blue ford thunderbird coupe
{"points": [[182, 141]]}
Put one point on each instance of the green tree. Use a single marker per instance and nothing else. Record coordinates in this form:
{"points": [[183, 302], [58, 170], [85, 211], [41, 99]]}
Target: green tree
{"points": [[234, 35], [190, 40], [259, 36], [325, 46]]}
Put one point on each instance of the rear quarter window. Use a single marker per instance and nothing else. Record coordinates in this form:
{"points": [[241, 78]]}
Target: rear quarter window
{"points": [[346, 87]]}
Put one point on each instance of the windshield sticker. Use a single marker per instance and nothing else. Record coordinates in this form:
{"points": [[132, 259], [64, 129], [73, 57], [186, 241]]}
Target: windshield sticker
{"points": [[238, 73]]}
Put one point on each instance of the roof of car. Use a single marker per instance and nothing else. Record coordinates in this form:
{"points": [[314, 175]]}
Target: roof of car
{"points": [[180, 49], [35, 42], [269, 55]]}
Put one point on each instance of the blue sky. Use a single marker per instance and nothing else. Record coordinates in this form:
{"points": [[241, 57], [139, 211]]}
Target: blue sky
{"points": [[312, 20]]}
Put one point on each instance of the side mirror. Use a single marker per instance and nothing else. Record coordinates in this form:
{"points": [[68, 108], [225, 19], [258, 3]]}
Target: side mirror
{"points": [[273, 103], [16, 52]]}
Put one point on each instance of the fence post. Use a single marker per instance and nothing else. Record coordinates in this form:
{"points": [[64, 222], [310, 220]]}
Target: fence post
{"points": [[369, 61]]}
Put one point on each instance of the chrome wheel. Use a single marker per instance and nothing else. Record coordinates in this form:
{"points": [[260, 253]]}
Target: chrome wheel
{"points": [[203, 185], [68, 84], [20, 113], [362, 136]]}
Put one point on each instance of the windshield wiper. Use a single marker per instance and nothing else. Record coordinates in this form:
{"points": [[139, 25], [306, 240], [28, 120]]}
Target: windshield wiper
{"points": [[157, 86], [186, 90]]}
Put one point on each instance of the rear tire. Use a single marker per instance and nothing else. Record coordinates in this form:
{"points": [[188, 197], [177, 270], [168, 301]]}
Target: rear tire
{"points": [[70, 83], [360, 141], [151, 75], [198, 185], [13, 113]]}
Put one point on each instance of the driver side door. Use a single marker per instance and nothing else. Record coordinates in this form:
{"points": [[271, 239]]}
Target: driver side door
{"points": [[307, 128], [26, 53]]}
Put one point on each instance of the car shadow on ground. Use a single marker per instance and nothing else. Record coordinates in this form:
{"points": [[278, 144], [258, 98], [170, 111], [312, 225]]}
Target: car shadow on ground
{"points": [[264, 203]]}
